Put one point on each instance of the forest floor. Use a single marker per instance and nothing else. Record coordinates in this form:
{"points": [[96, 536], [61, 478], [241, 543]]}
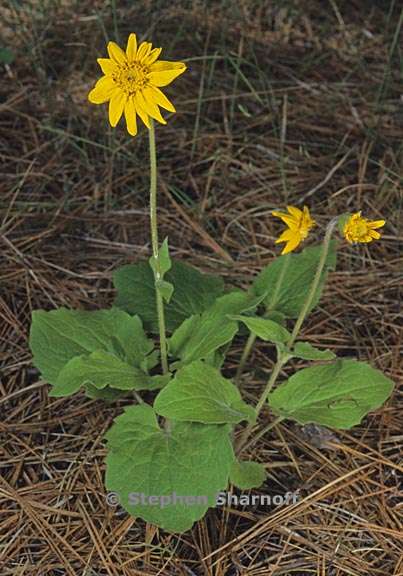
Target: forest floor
{"points": [[283, 103]]}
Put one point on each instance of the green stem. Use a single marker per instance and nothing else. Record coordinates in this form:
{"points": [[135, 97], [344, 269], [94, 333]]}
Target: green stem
{"points": [[245, 355], [281, 360], [314, 286], [252, 337], [283, 357], [155, 249], [279, 282]]}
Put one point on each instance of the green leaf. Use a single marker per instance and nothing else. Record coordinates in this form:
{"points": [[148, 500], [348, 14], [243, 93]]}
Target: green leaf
{"points": [[151, 383], [292, 293], [264, 328], [100, 369], [164, 260], [217, 358], [277, 317], [60, 336], [306, 351], [166, 290], [108, 394], [200, 335], [193, 292], [159, 381], [247, 474], [199, 393], [342, 221], [191, 460], [338, 394], [134, 345]]}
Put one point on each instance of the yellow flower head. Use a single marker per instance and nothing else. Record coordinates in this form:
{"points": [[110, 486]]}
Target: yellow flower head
{"points": [[359, 229], [131, 83], [299, 223]]}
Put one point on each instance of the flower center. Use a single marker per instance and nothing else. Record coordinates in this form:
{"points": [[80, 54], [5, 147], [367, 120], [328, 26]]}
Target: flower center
{"points": [[131, 77], [357, 230], [361, 229]]}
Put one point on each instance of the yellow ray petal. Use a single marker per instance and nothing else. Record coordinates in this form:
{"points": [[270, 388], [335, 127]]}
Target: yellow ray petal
{"points": [[108, 66], [116, 107], [155, 95], [130, 115], [116, 53], [295, 212], [141, 112], [149, 107], [289, 220], [152, 57], [285, 236], [163, 73], [374, 234], [103, 90], [131, 49], [376, 223], [291, 245], [143, 51]]}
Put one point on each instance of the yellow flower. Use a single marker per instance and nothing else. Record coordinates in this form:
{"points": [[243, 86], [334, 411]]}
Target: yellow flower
{"points": [[359, 229], [299, 223], [132, 81]]}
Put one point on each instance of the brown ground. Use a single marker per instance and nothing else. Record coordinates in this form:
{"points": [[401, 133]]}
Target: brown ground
{"points": [[279, 105]]}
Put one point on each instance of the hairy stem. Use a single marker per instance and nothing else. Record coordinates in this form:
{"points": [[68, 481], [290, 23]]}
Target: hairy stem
{"points": [[155, 249]]}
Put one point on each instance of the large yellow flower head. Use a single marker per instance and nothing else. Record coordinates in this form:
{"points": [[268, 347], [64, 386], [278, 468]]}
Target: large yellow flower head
{"points": [[299, 223], [359, 229], [131, 83]]}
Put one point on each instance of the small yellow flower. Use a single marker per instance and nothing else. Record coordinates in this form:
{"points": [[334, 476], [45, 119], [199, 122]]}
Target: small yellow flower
{"points": [[299, 223], [131, 83], [359, 229]]}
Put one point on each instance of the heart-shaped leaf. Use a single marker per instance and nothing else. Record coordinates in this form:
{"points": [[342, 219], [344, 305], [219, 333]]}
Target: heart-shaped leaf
{"points": [[339, 394], [167, 478]]}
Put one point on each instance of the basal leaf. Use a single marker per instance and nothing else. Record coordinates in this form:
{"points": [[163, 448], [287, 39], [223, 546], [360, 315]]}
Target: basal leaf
{"points": [[181, 470], [277, 317], [198, 393], [306, 351], [100, 369], [134, 345], [247, 474], [264, 328], [289, 295], [200, 335], [193, 292], [339, 394], [108, 394], [59, 336]]}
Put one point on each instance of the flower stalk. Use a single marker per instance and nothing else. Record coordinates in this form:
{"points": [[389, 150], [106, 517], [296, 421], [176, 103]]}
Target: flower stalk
{"points": [[284, 355], [155, 248], [252, 337], [314, 286]]}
